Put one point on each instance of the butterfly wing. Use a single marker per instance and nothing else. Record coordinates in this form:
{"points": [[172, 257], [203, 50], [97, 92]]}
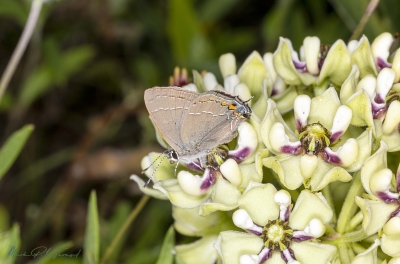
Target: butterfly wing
{"points": [[167, 107], [209, 122]]}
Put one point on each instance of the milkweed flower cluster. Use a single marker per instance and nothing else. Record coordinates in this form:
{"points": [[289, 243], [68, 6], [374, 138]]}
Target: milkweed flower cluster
{"points": [[314, 175]]}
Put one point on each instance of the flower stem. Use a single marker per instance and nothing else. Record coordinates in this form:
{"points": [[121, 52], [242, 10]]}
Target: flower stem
{"points": [[328, 196], [349, 206], [21, 46], [356, 220], [125, 226], [364, 19]]}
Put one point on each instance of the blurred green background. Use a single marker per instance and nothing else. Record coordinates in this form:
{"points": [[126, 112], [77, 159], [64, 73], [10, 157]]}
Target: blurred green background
{"points": [[81, 84]]}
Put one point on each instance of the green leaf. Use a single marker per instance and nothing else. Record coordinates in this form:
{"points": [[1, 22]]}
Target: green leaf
{"points": [[53, 253], [4, 218], [9, 245], [91, 247], [166, 256], [76, 58], [182, 27], [213, 10], [37, 83], [13, 9], [12, 147]]}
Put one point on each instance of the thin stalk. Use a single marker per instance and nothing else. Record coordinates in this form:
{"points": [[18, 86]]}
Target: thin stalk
{"points": [[132, 216], [356, 220], [349, 205], [21, 46], [364, 19]]}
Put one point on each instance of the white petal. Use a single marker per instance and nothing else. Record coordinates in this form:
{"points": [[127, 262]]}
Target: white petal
{"points": [[282, 197], [190, 87], [230, 170], [368, 83], [351, 47], [341, 122], [227, 64], [268, 61], [311, 52], [392, 227], [210, 81], [249, 259], [381, 45], [348, 152], [279, 139], [308, 164], [315, 228], [243, 91], [190, 183], [302, 105], [242, 219], [392, 118], [230, 82], [385, 82], [381, 181]]}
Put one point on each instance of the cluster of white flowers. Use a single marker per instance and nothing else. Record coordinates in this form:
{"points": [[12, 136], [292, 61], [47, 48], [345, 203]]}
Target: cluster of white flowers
{"points": [[345, 124]]}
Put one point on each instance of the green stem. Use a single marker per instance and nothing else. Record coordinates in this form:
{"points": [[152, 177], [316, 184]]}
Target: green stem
{"points": [[349, 206], [356, 220], [135, 212], [344, 253], [353, 237], [21, 46], [364, 19]]}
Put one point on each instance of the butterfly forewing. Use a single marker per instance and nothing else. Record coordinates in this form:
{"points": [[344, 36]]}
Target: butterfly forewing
{"points": [[167, 107]]}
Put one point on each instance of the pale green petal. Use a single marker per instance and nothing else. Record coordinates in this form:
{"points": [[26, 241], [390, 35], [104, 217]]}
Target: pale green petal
{"points": [[271, 117], [323, 108], [188, 222], [360, 104], [308, 206], [362, 57], [258, 201], [284, 65], [253, 72], [391, 245], [327, 173], [148, 190], [177, 196], [392, 140], [373, 164], [313, 253], [350, 84], [369, 256], [337, 65], [284, 101], [231, 245], [224, 197], [254, 171], [259, 108], [376, 214], [198, 81], [201, 251], [288, 169], [364, 150]]}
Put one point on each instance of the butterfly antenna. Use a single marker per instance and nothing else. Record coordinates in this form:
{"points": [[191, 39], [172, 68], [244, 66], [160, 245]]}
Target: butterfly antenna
{"points": [[154, 161], [176, 166], [163, 155]]}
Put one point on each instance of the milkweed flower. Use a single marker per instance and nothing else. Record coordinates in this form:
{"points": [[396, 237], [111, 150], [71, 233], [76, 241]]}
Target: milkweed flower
{"points": [[312, 155], [381, 208], [317, 63], [276, 233]]}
